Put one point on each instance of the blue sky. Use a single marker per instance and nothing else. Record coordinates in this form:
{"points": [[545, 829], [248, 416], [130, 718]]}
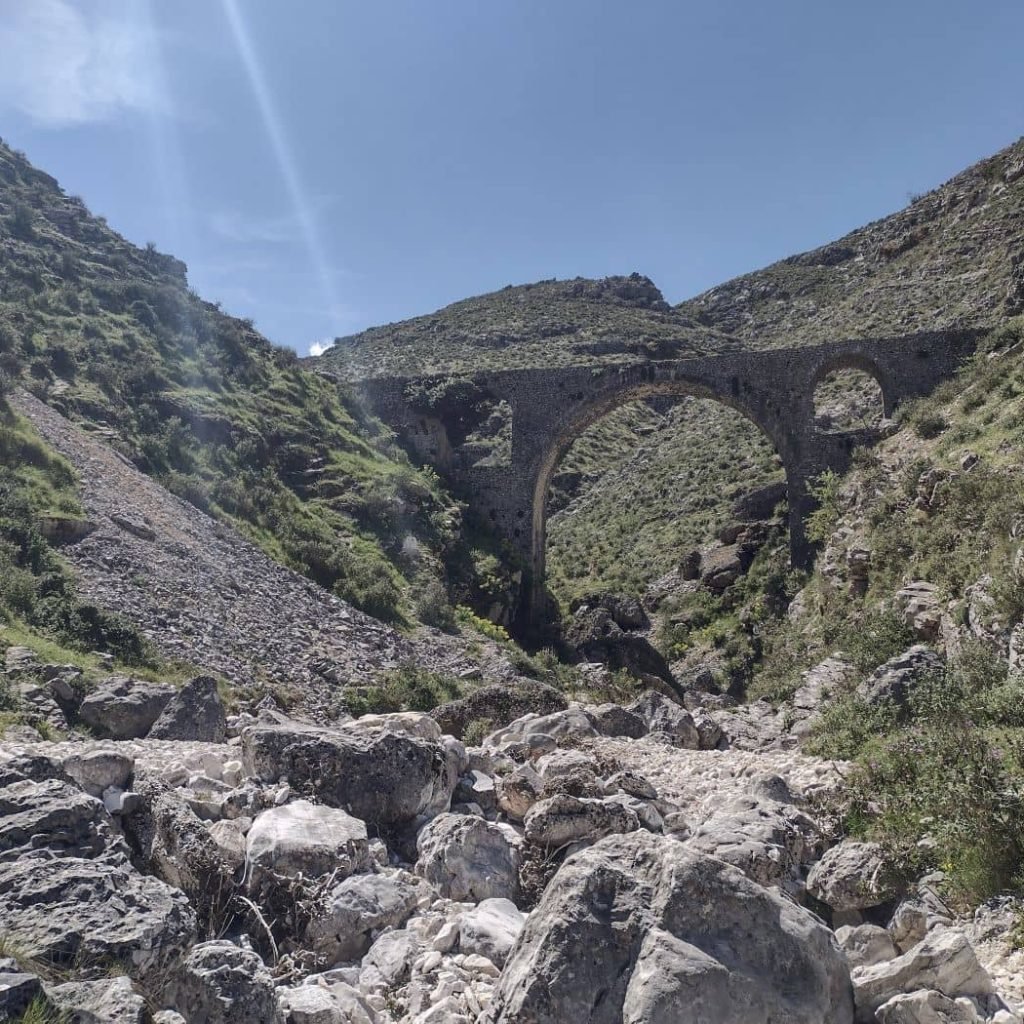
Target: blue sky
{"points": [[326, 165]]}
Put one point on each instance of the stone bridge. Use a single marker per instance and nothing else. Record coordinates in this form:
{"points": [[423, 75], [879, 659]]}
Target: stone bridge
{"points": [[550, 408]]}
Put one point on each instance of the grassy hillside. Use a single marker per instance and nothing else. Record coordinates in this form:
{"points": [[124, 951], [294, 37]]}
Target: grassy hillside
{"points": [[939, 777], [39, 608], [687, 464], [112, 336], [954, 257]]}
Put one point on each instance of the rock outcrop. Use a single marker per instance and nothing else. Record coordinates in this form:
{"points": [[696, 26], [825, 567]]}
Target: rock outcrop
{"points": [[639, 928]]}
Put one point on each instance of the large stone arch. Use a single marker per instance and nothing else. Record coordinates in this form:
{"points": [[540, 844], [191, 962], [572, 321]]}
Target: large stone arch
{"points": [[551, 406], [595, 410]]}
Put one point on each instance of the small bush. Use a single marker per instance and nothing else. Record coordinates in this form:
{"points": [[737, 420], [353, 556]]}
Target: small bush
{"points": [[939, 783], [409, 688], [871, 639], [468, 618], [477, 731], [822, 521], [432, 607], [928, 424]]}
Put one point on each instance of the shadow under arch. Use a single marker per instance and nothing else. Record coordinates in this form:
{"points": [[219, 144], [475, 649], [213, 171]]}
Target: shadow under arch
{"points": [[597, 409]]}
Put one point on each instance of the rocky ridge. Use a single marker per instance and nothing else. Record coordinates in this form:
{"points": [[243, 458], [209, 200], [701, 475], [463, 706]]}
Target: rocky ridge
{"points": [[952, 257]]}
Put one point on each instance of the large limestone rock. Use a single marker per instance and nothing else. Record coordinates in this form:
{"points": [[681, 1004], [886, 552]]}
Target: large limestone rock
{"points": [[612, 720], [920, 606], [96, 769], [944, 961], [469, 859], [110, 1001], [412, 723], [490, 929], [54, 814], [194, 713], [852, 876], [927, 1008], [389, 959], [866, 945], [124, 709], [561, 819], [575, 723], [336, 1004], [499, 704], [18, 990], [895, 681], [384, 778], [766, 840], [308, 839], [69, 910], [662, 715], [359, 908], [176, 846], [817, 685], [639, 929], [518, 791], [721, 568], [219, 981], [603, 629]]}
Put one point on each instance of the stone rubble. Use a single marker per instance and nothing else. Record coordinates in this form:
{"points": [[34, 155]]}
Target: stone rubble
{"points": [[378, 870]]}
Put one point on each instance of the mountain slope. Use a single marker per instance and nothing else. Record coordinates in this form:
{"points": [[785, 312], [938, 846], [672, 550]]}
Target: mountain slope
{"points": [[200, 593], [112, 336], [550, 323], [953, 257]]}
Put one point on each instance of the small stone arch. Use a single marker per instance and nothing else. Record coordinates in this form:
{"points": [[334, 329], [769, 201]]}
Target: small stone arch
{"points": [[595, 410], [862, 363]]}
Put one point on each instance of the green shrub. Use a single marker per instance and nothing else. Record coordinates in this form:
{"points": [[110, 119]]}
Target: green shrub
{"points": [[939, 783], [946, 795], [928, 424], [431, 605], [468, 618], [409, 688], [822, 521], [477, 731], [35, 587], [869, 639]]}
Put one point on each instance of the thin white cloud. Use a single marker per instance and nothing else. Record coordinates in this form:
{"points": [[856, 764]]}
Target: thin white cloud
{"points": [[66, 63], [318, 348]]}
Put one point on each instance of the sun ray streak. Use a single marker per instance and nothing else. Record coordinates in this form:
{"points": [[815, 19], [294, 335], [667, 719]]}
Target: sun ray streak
{"points": [[282, 154]]}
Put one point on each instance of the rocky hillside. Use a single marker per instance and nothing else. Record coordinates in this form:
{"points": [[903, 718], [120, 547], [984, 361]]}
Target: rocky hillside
{"points": [[228, 796], [599, 863], [111, 336], [953, 257], [550, 323], [201, 594]]}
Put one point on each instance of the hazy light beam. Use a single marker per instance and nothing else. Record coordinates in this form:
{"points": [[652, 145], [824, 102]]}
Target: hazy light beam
{"points": [[282, 153]]}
